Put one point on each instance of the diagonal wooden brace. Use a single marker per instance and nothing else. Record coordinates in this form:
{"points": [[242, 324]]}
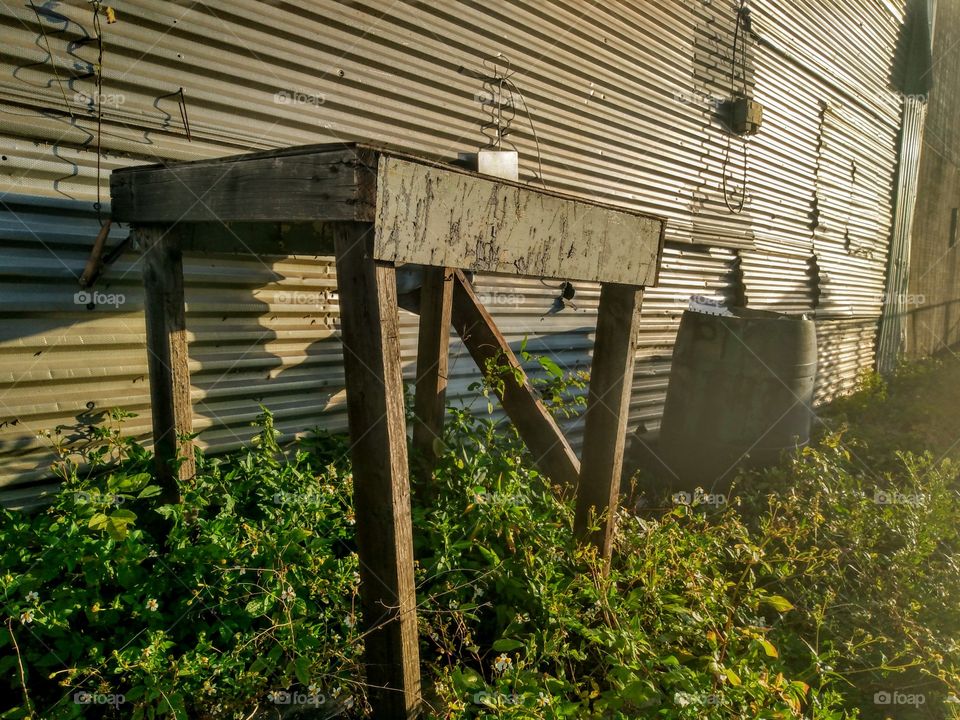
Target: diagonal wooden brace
{"points": [[537, 427]]}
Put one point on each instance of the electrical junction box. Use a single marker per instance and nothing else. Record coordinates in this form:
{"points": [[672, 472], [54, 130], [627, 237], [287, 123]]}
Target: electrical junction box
{"points": [[746, 115], [499, 163]]}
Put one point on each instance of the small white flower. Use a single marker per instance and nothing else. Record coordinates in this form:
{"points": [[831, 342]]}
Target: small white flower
{"points": [[312, 688], [502, 663], [152, 605], [350, 620], [288, 595], [33, 596], [208, 688], [26, 617]]}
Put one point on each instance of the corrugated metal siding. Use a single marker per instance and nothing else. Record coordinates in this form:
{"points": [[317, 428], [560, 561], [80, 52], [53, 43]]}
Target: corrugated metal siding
{"points": [[892, 340], [624, 100]]}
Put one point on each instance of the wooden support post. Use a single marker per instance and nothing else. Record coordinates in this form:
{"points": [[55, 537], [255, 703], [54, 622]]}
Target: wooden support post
{"points": [[433, 353], [381, 491], [167, 358], [533, 421], [608, 408]]}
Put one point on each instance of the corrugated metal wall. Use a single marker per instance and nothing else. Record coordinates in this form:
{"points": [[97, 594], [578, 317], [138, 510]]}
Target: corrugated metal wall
{"points": [[623, 96]]}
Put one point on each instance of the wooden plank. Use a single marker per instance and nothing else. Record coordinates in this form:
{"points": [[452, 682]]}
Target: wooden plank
{"points": [[167, 357], [381, 489], [533, 421], [320, 184], [433, 353], [261, 238], [439, 216], [608, 409]]}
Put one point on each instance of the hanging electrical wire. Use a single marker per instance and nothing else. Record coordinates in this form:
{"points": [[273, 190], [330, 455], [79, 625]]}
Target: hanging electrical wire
{"points": [[498, 102], [53, 62], [98, 31], [739, 41]]}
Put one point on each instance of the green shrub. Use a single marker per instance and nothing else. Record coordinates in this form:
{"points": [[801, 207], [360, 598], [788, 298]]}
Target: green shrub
{"points": [[877, 590], [251, 593], [801, 599], [523, 623]]}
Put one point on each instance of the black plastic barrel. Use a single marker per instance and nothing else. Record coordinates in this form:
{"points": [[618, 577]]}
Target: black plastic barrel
{"points": [[740, 395]]}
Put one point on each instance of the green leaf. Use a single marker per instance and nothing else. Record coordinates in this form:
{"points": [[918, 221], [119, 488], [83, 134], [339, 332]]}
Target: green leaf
{"points": [[769, 648], [778, 603], [301, 667], [129, 483], [551, 367], [116, 530], [260, 605], [98, 522], [149, 491], [123, 516], [507, 644], [732, 677]]}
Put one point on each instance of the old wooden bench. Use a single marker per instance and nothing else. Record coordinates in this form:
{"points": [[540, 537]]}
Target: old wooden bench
{"points": [[372, 208]]}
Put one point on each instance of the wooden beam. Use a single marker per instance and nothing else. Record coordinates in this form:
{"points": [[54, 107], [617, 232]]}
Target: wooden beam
{"points": [[167, 357], [533, 421], [433, 352], [262, 238], [381, 490], [608, 410], [303, 184], [436, 215]]}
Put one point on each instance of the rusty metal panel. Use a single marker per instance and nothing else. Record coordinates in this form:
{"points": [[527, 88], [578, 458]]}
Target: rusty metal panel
{"points": [[854, 220], [624, 100], [897, 301], [846, 351]]}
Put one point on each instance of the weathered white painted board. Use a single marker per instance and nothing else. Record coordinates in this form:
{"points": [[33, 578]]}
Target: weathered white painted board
{"points": [[446, 218]]}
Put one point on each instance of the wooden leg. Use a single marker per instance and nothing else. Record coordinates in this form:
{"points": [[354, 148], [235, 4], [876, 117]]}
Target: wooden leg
{"points": [[534, 422], [433, 353], [381, 489], [167, 358], [608, 408]]}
